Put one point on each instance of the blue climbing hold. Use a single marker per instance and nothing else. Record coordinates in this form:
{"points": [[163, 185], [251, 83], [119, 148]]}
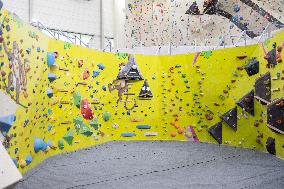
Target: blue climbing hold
{"points": [[49, 127], [143, 127], [237, 8], [50, 58], [104, 88], [128, 134], [29, 159], [8, 28], [51, 77], [1, 32], [29, 50], [101, 66], [96, 73], [97, 82], [38, 49], [6, 123], [49, 143], [49, 111], [49, 93], [39, 144]]}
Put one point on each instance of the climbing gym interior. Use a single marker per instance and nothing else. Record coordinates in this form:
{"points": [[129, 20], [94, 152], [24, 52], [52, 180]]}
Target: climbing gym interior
{"points": [[141, 94]]}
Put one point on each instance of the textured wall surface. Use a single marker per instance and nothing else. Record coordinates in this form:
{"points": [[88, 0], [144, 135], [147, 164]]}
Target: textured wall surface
{"points": [[161, 22]]}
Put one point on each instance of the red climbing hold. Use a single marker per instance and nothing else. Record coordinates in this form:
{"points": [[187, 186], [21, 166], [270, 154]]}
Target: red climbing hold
{"points": [[86, 110]]}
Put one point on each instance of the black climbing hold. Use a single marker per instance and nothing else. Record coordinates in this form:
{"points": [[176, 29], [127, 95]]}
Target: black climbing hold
{"points": [[130, 71], [252, 66], [247, 102], [145, 91], [263, 88], [193, 9], [216, 132], [271, 57], [230, 118], [270, 145], [275, 115]]}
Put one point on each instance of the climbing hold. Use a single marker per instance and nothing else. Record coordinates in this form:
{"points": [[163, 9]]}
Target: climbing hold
{"points": [[104, 88], [150, 134], [50, 58], [263, 88], [49, 127], [270, 145], [247, 102], [237, 8], [252, 66], [95, 123], [60, 144], [101, 66], [86, 110], [22, 163], [216, 132], [96, 73], [86, 74], [51, 77], [85, 130], [106, 116], [230, 118], [49, 93], [130, 71], [145, 91], [275, 115], [29, 159], [173, 134], [128, 134], [69, 136], [39, 144], [8, 28], [77, 99], [143, 127], [6, 123]]}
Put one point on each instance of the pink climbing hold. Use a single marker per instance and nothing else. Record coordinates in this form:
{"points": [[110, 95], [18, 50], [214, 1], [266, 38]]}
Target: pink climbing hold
{"points": [[86, 110]]}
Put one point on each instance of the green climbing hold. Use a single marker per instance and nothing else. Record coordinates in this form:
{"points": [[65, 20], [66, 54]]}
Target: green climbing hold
{"points": [[78, 120], [85, 130], [60, 144], [106, 116], [68, 137], [95, 123], [77, 99], [206, 54]]}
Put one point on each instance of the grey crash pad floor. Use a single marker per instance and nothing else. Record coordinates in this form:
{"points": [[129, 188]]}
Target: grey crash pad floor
{"points": [[157, 165]]}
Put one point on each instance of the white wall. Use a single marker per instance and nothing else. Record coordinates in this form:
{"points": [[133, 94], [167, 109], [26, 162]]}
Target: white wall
{"points": [[79, 16], [9, 174]]}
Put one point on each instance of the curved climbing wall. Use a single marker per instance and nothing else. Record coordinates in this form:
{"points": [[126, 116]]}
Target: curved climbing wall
{"points": [[69, 97]]}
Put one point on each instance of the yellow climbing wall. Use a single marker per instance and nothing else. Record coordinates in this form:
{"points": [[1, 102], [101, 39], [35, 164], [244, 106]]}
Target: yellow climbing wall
{"points": [[184, 94]]}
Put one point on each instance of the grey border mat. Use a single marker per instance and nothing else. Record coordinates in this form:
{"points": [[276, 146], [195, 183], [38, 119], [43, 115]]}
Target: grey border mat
{"points": [[157, 164]]}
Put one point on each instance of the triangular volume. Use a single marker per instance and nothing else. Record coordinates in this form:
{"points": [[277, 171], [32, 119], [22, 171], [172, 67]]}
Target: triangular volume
{"points": [[247, 102], [271, 57], [145, 91], [230, 118], [193, 9], [130, 71], [6, 123], [263, 88], [275, 115], [216, 132]]}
